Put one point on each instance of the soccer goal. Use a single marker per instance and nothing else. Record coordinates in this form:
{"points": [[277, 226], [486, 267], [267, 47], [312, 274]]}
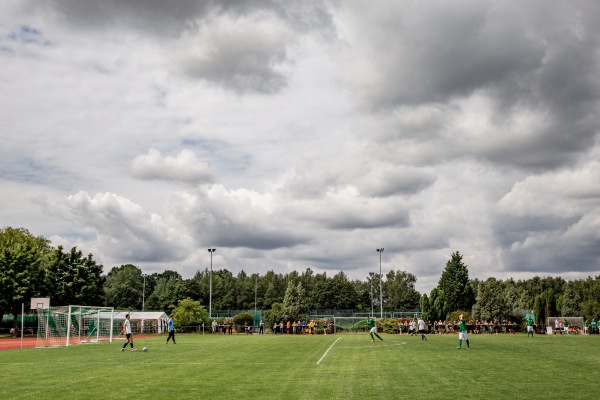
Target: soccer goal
{"points": [[354, 325], [67, 325]]}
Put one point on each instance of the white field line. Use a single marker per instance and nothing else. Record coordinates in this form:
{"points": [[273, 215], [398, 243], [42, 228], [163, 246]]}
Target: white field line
{"points": [[323, 356]]}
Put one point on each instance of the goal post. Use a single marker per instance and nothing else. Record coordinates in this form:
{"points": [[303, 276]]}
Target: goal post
{"points": [[353, 325], [67, 325]]}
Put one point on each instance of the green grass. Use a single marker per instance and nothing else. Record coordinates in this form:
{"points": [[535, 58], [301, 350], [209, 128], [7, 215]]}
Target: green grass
{"points": [[285, 367]]}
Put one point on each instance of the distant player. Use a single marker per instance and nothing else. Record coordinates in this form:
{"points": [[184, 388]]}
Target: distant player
{"points": [[421, 326], [529, 325], [171, 326], [462, 332], [127, 330], [373, 329], [565, 327]]}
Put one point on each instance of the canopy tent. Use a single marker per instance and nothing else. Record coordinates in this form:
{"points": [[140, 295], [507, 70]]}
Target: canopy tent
{"points": [[144, 321]]}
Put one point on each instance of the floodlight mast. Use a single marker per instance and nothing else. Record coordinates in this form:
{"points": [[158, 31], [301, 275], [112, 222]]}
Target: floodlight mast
{"points": [[211, 251], [380, 251]]}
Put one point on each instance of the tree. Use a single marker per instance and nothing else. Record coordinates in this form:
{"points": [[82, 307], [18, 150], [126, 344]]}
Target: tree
{"points": [[572, 299], [490, 300], [294, 302], [168, 292], [454, 283], [343, 291], [22, 258], [425, 308], [189, 313], [74, 279], [275, 314], [400, 293], [436, 304], [123, 287]]}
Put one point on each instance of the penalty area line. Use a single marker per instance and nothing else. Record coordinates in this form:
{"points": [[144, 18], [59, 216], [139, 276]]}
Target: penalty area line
{"points": [[323, 356]]}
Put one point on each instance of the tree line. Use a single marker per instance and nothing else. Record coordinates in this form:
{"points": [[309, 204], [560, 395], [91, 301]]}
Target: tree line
{"points": [[31, 267]]}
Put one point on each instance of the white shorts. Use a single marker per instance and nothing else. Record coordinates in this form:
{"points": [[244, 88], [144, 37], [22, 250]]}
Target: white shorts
{"points": [[374, 329], [529, 328], [463, 336]]}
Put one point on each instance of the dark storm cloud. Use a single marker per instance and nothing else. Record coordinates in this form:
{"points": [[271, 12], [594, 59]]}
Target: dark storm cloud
{"points": [[535, 65], [243, 56]]}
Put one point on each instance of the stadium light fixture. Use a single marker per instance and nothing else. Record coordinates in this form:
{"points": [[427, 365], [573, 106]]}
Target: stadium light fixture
{"points": [[380, 251], [211, 251]]}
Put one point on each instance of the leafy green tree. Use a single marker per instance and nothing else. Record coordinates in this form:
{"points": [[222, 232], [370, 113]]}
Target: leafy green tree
{"points": [[343, 291], [590, 309], [275, 314], [169, 290], [436, 304], [544, 306], [294, 302], [189, 313], [275, 288], [425, 308], [123, 287], [74, 279], [572, 299], [490, 300], [454, 284], [22, 258], [400, 293], [321, 296]]}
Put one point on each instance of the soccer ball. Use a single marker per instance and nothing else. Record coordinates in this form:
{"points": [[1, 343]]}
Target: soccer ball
{"points": [[145, 349]]}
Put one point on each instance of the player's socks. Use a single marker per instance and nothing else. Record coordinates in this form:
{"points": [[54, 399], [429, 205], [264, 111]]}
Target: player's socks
{"points": [[468, 344]]}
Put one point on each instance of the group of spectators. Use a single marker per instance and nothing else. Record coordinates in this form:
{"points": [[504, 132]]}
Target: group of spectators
{"points": [[302, 327], [409, 326]]}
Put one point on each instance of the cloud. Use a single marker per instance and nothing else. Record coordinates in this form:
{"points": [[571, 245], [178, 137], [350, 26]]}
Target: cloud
{"points": [[125, 231], [185, 167], [245, 54]]}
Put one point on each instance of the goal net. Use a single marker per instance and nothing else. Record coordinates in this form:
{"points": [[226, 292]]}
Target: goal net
{"points": [[67, 325], [354, 325]]}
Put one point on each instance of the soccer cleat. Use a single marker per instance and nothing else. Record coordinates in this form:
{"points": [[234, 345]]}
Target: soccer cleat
{"points": [[122, 349], [372, 341], [458, 348], [133, 349]]}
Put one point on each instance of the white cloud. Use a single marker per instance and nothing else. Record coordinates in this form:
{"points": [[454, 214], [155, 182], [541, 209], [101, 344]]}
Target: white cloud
{"points": [[185, 167]]}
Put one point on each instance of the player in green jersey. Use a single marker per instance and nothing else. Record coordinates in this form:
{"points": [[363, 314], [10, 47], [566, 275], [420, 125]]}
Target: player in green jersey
{"points": [[529, 325], [373, 328], [462, 332]]}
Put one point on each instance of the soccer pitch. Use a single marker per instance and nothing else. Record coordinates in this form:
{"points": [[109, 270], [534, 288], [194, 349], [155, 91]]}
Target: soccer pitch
{"points": [[329, 367]]}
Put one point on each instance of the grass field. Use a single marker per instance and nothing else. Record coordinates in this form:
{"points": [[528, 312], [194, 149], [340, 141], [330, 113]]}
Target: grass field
{"points": [[310, 367]]}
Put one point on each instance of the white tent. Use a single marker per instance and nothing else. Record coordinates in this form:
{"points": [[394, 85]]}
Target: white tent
{"points": [[144, 321]]}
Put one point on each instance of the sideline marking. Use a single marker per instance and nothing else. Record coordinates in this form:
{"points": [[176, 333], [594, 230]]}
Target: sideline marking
{"points": [[323, 356]]}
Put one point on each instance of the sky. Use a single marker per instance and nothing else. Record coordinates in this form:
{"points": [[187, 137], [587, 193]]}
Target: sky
{"points": [[290, 135]]}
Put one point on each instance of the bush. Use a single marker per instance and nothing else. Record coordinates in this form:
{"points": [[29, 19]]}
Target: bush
{"points": [[243, 318]]}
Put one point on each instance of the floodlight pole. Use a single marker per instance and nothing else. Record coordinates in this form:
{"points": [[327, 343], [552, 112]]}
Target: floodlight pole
{"points": [[380, 282], [211, 251], [144, 294], [371, 280]]}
